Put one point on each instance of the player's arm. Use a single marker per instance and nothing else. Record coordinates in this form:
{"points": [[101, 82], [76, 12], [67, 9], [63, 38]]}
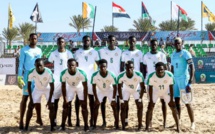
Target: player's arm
{"points": [[29, 91], [21, 62], [122, 66], [144, 71], [150, 94], [85, 90], [120, 91], [114, 91], [143, 90], [192, 70], [172, 69], [141, 68], [63, 87], [171, 92], [51, 91], [94, 92]]}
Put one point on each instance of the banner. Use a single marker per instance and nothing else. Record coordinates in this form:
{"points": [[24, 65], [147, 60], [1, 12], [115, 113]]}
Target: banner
{"points": [[2, 79], [52, 37], [7, 65], [205, 77], [204, 64]]}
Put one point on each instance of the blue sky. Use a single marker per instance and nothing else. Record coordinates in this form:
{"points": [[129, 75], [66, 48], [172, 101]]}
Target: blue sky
{"points": [[56, 13]]}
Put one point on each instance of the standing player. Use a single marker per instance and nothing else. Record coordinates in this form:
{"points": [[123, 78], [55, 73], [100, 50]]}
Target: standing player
{"points": [[43, 78], [149, 61], [60, 57], [183, 70], [134, 55], [86, 58], [28, 55], [130, 80], [77, 85], [113, 55], [106, 83], [161, 86]]}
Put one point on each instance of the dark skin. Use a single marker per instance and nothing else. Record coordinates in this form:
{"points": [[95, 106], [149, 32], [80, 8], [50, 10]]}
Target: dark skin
{"points": [[132, 47], [103, 72], [178, 47], [72, 70], [153, 47], [33, 42], [160, 71], [129, 74], [40, 69], [86, 45]]}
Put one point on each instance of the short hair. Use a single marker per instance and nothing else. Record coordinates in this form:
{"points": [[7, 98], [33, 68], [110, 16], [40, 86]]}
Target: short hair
{"points": [[129, 62], [71, 60], [38, 60], [153, 40], [130, 37], [111, 36], [86, 36], [102, 61], [59, 38], [32, 34], [159, 64], [178, 39]]}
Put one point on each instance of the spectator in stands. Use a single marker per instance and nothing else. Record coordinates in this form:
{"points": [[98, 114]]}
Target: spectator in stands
{"points": [[126, 43], [168, 42], [97, 44], [192, 52], [161, 42], [162, 50], [15, 54], [116, 44], [103, 43], [149, 41], [72, 44]]}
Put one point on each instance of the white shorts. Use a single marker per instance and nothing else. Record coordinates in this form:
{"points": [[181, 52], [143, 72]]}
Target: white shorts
{"points": [[57, 90], [71, 92], [159, 95], [101, 94], [37, 95], [90, 88], [126, 94]]}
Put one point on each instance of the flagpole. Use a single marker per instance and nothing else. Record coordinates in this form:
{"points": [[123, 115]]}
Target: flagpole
{"points": [[93, 24], [8, 22], [35, 27], [112, 20], [171, 14], [178, 23], [201, 20]]}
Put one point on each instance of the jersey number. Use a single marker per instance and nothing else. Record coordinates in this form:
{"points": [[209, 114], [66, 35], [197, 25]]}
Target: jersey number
{"points": [[161, 87], [131, 86], [86, 58], [104, 85], [61, 61], [111, 60]]}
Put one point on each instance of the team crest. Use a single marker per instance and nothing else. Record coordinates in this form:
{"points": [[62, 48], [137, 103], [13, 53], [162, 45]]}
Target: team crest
{"points": [[77, 79], [135, 79], [44, 78], [55, 55], [136, 55], [107, 81], [116, 54], [90, 53], [165, 81], [159, 58]]}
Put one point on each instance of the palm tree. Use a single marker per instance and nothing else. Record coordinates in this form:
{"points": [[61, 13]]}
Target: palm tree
{"points": [[172, 26], [10, 34], [25, 29], [143, 25], [79, 23], [210, 26], [109, 29]]}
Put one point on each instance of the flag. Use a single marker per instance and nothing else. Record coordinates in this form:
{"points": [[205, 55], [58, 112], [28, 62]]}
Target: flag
{"points": [[36, 15], [118, 11], [11, 17], [145, 15], [207, 13], [88, 10], [182, 13]]}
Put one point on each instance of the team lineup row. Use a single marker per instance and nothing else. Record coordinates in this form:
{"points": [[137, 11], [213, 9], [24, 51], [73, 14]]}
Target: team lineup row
{"points": [[98, 86]]}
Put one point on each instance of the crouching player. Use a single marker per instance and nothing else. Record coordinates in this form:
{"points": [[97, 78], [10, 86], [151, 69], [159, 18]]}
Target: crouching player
{"points": [[76, 80], [42, 77], [130, 80], [161, 86], [106, 83]]}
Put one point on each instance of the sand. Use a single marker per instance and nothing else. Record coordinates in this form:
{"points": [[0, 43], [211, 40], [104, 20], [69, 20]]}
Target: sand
{"points": [[203, 105]]}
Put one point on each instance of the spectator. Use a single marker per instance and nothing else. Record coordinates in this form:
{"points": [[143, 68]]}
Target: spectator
{"points": [[161, 42], [162, 50], [103, 43], [192, 52], [126, 43], [72, 44], [97, 43], [168, 42]]}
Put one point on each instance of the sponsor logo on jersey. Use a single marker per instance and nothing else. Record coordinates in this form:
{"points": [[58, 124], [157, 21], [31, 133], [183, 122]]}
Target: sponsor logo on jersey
{"points": [[116, 54], [107, 81], [155, 81], [135, 79], [136, 55], [90, 53], [44, 78], [77, 79], [165, 81]]}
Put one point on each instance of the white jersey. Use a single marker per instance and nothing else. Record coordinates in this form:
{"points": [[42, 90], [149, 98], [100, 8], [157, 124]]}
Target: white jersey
{"points": [[86, 60], [161, 85], [136, 56], [104, 83], [41, 80], [150, 60], [130, 84], [113, 58], [75, 80], [60, 61]]}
